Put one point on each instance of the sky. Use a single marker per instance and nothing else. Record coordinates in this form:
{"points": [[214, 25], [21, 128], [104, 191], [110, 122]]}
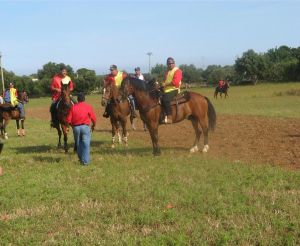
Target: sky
{"points": [[96, 34]]}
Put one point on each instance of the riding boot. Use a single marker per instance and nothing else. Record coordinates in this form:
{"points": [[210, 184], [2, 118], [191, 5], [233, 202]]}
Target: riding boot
{"points": [[132, 107]]}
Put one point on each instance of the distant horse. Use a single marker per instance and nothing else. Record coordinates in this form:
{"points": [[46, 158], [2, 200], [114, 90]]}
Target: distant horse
{"points": [[9, 112], [119, 109], [62, 110], [221, 90], [192, 106]]}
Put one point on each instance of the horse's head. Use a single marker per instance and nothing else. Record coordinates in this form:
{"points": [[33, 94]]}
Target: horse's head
{"points": [[106, 95], [126, 88], [65, 92]]}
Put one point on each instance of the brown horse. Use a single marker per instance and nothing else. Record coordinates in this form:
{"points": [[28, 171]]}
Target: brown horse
{"points": [[63, 107], [193, 106], [221, 90], [9, 112], [119, 110]]}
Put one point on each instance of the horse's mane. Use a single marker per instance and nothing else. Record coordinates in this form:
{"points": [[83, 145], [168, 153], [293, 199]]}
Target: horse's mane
{"points": [[148, 87]]}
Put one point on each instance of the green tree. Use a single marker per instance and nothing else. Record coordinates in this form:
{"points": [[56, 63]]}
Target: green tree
{"points": [[191, 74], [51, 68], [250, 66], [86, 80], [158, 72]]}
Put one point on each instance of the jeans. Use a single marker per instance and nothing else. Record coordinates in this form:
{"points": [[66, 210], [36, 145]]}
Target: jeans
{"points": [[166, 100], [22, 111], [82, 137], [132, 102]]}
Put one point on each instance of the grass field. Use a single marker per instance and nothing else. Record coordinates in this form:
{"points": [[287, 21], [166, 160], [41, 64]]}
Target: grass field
{"points": [[128, 197]]}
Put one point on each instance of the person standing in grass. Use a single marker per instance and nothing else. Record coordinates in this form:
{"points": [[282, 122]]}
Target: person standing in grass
{"points": [[80, 118]]}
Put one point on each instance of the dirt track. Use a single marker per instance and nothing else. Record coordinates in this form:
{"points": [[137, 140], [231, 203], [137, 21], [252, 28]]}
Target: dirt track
{"points": [[237, 138]]}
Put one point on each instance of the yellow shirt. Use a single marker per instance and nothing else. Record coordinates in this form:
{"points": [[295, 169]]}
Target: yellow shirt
{"points": [[13, 96]]}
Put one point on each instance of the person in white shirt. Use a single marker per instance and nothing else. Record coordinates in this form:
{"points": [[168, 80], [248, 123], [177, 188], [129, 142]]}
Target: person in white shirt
{"points": [[138, 73]]}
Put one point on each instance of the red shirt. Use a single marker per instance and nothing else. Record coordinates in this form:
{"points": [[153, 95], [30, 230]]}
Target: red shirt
{"points": [[221, 83], [176, 78], [56, 84], [81, 113]]}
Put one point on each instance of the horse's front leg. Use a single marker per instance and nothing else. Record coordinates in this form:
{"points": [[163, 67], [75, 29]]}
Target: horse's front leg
{"points": [[22, 126], [18, 128], [65, 132], [113, 132], [124, 131], [59, 136], [154, 137], [4, 128]]}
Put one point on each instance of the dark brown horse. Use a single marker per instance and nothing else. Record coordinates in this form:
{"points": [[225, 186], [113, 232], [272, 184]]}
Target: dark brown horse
{"points": [[119, 109], [9, 112], [194, 107], [221, 90], [63, 107]]}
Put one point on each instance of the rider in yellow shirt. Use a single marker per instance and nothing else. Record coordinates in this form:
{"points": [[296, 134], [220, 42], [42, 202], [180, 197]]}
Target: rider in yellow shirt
{"points": [[11, 96]]}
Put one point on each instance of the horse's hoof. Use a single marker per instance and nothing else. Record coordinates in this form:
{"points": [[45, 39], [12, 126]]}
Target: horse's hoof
{"points": [[112, 146], [205, 148], [194, 149], [6, 136]]}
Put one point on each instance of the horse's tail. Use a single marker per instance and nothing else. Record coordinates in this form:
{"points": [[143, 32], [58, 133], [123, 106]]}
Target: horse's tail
{"points": [[211, 113]]}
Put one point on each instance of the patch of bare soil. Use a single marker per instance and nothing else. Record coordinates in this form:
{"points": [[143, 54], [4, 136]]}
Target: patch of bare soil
{"points": [[237, 138]]}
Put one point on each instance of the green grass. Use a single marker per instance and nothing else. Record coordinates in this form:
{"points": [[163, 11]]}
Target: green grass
{"points": [[262, 99], [46, 197]]}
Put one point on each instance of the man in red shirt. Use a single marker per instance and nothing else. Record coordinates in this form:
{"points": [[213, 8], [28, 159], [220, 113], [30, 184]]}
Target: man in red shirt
{"points": [[57, 81], [80, 117], [171, 85], [221, 84]]}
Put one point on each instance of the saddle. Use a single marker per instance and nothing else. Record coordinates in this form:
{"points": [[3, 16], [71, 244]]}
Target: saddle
{"points": [[181, 98], [8, 107]]}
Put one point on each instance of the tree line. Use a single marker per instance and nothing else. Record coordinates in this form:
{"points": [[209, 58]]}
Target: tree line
{"points": [[276, 65]]}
